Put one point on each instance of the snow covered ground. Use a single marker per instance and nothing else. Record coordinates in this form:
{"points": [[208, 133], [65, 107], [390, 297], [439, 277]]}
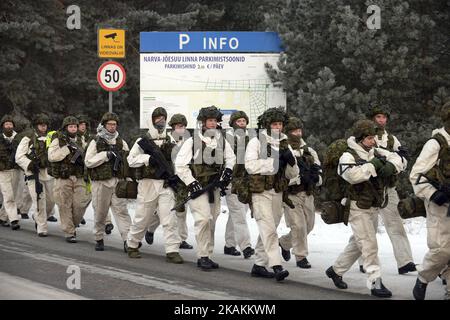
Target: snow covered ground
{"points": [[326, 242]]}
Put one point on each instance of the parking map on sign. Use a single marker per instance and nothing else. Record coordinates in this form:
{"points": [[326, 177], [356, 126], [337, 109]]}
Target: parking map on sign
{"points": [[184, 82]]}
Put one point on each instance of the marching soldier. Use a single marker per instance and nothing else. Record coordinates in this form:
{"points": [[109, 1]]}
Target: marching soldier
{"points": [[391, 218], [429, 175], [66, 156], [205, 160], [300, 192], [154, 190], [178, 123], [85, 136], [23, 198], [32, 157], [106, 162], [362, 167], [8, 173], [270, 163], [237, 232]]}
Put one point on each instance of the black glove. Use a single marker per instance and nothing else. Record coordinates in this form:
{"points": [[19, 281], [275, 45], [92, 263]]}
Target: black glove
{"points": [[173, 182], [403, 152], [439, 198], [72, 148], [194, 188], [111, 155], [144, 144], [387, 170], [306, 179], [286, 156], [226, 177]]}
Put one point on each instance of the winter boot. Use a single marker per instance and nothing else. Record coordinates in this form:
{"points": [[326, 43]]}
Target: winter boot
{"points": [[286, 254], [149, 237], [261, 272], [71, 239], [231, 251], [15, 225], [337, 279], [185, 245], [213, 264], [410, 267], [174, 257], [134, 253], [379, 290], [100, 246], [280, 273], [419, 290], [108, 228], [248, 252], [204, 264], [52, 219], [304, 264]]}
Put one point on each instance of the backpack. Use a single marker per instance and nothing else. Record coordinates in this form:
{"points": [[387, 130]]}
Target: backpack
{"points": [[411, 206], [334, 187]]}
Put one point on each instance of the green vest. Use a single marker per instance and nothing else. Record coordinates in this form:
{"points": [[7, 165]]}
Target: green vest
{"points": [[392, 180], [40, 149], [148, 172], [239, 168], [204, 173], [367, 194], [106, 171], [441, 171], [258, 183], [7, 153], [64, 169]]}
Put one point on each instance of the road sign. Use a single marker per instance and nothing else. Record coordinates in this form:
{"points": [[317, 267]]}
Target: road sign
{"points": [[111, 76], [111, 43]]}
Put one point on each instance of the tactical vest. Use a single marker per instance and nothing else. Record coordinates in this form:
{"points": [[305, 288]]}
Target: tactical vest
{"points": [[239, 168], [148, 172], [106, 171], [441, 171], [259, 183], [307, 158], [7, 154], [204, 173], [367, 194], [40, 149], [64, 169]]}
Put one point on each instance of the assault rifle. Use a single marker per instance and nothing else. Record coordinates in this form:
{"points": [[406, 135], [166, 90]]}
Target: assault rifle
{"points": [[445, 188], [163, 168]]}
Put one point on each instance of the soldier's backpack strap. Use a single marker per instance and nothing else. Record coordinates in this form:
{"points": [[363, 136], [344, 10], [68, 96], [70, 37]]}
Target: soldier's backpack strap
{"points": [[442, 143], [390, 142]]}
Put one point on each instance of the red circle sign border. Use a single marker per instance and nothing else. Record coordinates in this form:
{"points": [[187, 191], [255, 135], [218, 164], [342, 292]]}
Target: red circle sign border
{"points": [[104, 64]]}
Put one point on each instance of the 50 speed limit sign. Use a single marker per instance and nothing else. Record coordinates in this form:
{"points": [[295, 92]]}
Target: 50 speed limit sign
{"points": [[111, 76]]}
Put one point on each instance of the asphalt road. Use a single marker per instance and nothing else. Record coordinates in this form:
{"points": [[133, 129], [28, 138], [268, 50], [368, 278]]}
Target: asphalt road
{"points": [[43, 268]]}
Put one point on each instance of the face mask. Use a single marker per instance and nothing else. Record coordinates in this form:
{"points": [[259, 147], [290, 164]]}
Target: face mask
{"points": [[8, 132], [160, 125], [294, 140]]}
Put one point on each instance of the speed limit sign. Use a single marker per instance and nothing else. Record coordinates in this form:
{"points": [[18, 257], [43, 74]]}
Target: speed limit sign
{"points": [[111, 76]]}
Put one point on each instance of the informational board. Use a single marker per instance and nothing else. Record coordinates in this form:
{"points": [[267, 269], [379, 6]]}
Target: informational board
{"points": [[185, 71]]}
